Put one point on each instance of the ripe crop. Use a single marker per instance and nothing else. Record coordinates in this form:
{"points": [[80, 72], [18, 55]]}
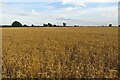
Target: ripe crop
{"points": [[85, 52]]}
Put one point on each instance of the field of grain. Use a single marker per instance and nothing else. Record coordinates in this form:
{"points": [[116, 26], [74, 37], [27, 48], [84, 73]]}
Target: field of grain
{"points": [[60, 52]]}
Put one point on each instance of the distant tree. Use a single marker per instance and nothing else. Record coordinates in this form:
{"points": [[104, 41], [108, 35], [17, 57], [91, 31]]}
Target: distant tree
{"points": [[16, 24], [119, 26], [58, 25], [32, 25], [64, 24], [5, 25], [110, 25], [102, 25], [25, 25], [49, 24], [45, 25], [54, 25], [75, 26]]}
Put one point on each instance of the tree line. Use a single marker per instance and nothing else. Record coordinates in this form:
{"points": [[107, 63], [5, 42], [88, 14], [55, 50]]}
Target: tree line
{"points": [[18, 24]]}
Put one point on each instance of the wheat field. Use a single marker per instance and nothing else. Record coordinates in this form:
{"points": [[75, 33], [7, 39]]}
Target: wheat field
{"points": [[81, 52]]}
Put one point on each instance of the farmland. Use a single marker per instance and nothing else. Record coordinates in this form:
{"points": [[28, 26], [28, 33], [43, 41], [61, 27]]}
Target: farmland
{"points": [[85, 52]]}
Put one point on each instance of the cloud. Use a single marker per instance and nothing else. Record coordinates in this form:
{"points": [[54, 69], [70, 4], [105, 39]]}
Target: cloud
{"points": [[82, 3], [74, 2], [70, 8], [100, 15], [34, 12], [63, 19], [59, 0], [15, 12], [38, 13], [77, 4], [2, 4], [30, 0], [99, 1]]}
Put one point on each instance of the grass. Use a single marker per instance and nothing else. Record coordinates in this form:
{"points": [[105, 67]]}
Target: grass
{"points": [[60, 52]]}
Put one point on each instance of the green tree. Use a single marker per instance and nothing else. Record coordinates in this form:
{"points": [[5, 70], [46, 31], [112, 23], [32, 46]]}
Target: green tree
{"points": [[64, 24], [32, 25], [110, 25], [25, 25], [54, 25], [16, 24], [45, 25], [49, 24]]}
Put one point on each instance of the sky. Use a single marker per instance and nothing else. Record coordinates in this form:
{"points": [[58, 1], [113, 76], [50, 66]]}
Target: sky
{"points": [[72, 12]]}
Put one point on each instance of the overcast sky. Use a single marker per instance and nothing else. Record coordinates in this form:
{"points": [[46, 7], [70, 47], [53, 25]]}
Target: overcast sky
{"points": [[72, 12]]}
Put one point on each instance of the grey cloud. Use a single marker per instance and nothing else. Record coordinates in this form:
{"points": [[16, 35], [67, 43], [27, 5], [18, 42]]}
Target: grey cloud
{"points": [[16, 13], [65, 19]]}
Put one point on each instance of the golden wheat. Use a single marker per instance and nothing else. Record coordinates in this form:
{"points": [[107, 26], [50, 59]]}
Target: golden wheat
{"points": [[60, 52]]}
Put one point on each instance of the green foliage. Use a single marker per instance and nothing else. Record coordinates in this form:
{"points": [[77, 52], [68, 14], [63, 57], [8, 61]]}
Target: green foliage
{"points": [[32, 25], [54, 25], [45, 25], [16, 24], [64, 24], [110, 25], [25, 25], [49, 24], [76, 26]]}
